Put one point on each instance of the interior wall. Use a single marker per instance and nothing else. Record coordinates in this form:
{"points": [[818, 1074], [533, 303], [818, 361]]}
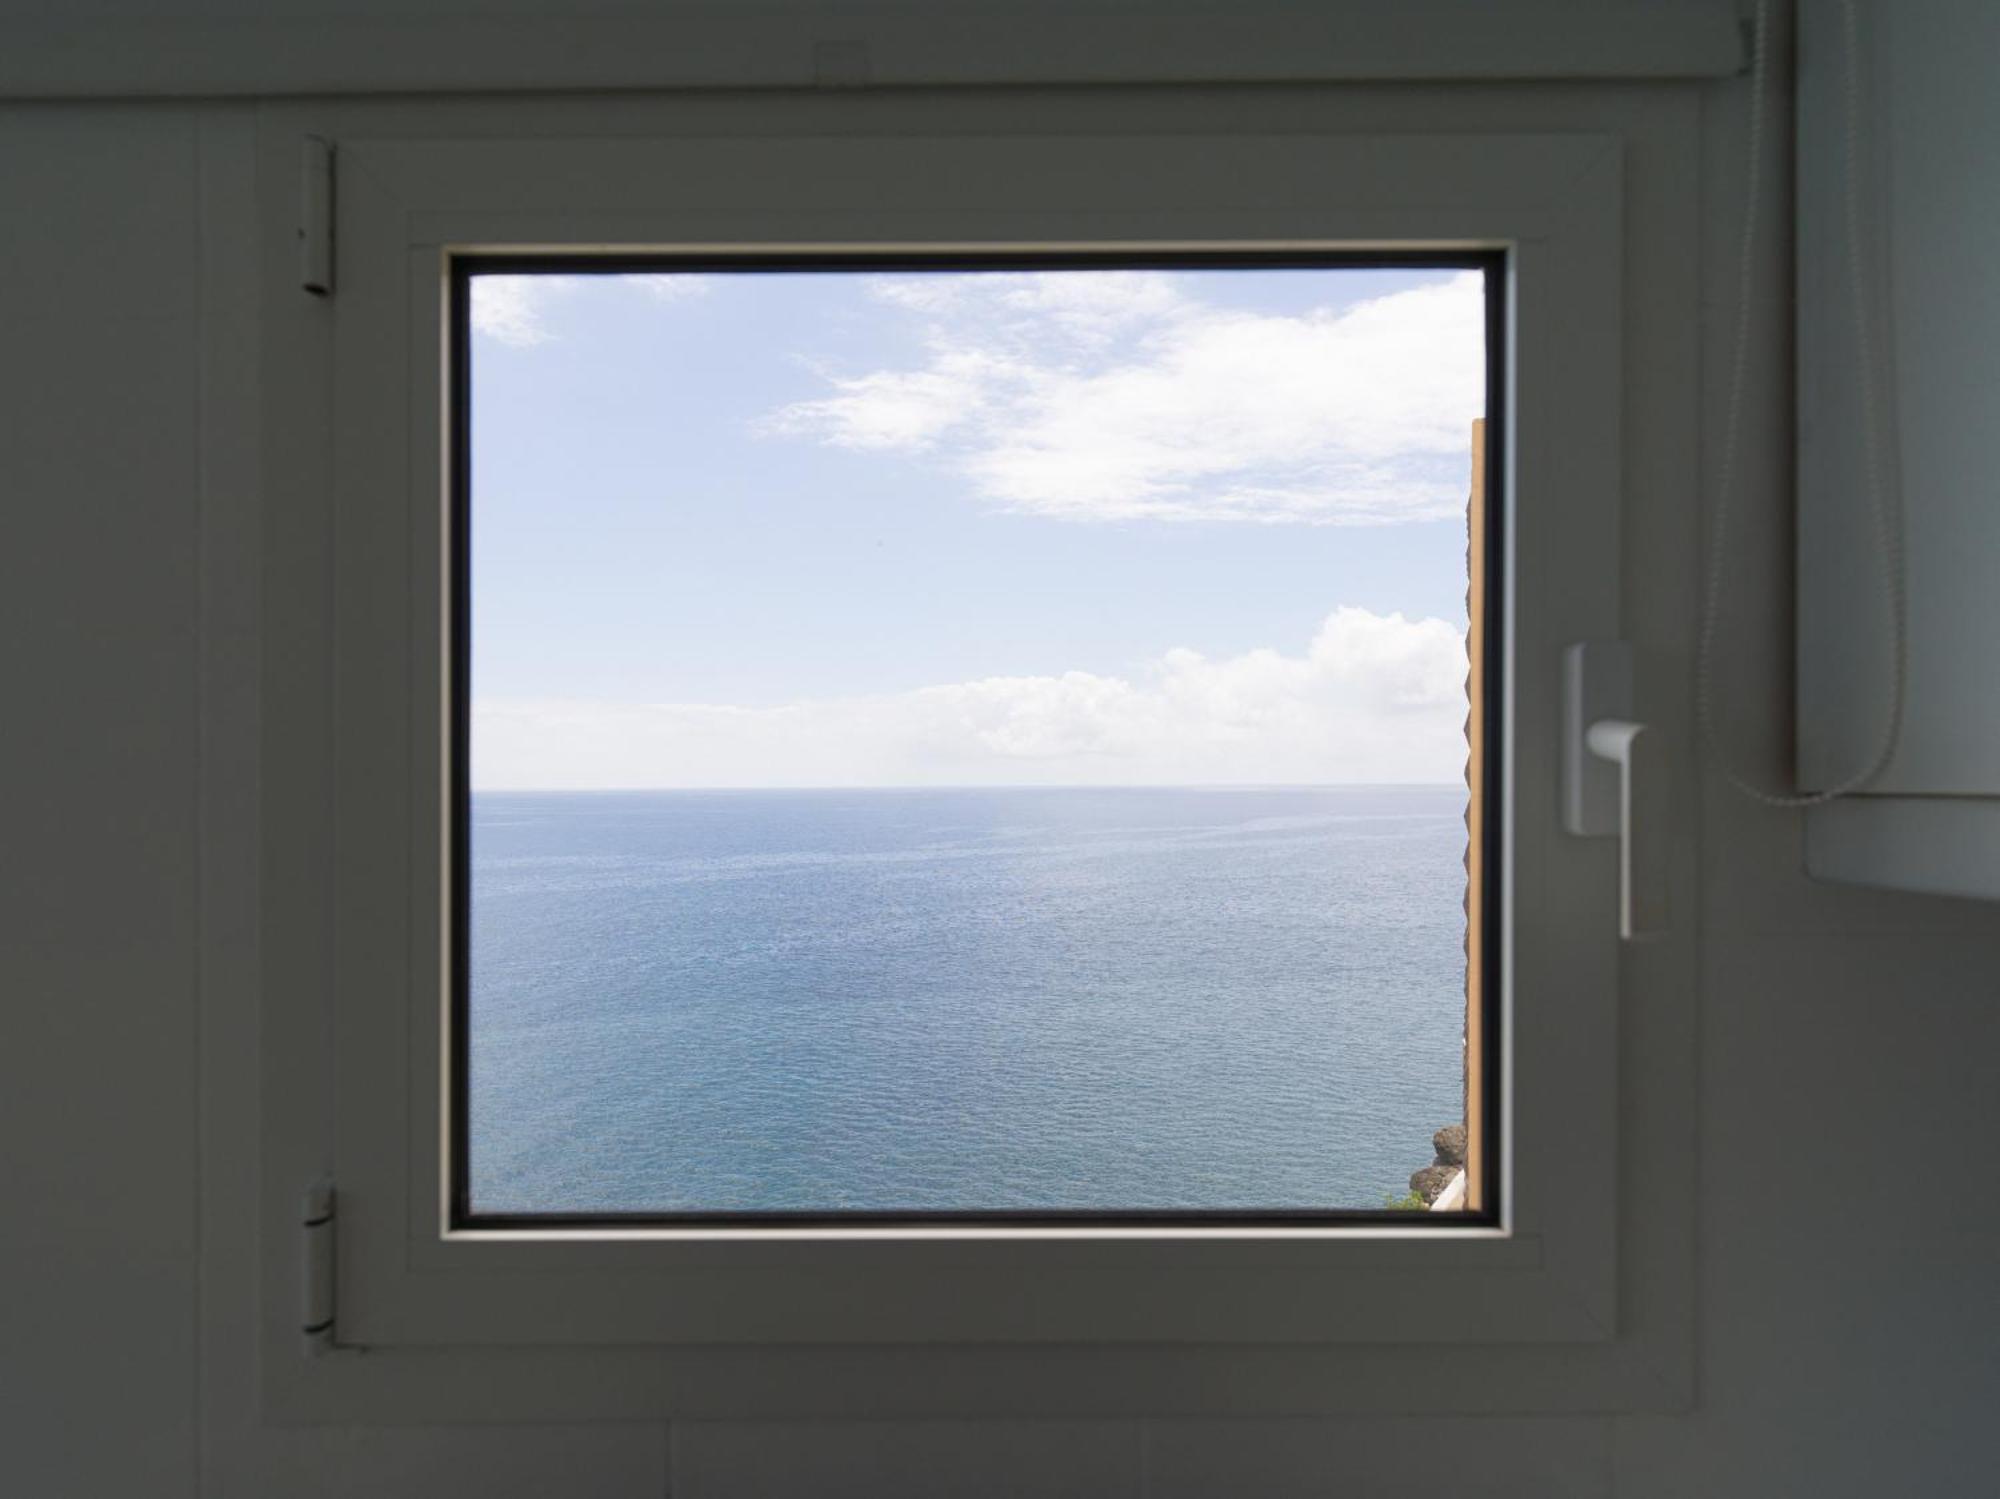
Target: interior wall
{"points": [[98, 650], [1847, 1237]]}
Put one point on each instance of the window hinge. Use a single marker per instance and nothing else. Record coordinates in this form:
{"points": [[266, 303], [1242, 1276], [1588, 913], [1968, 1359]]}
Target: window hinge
{"points": [[316, 1241], [316, 216]]}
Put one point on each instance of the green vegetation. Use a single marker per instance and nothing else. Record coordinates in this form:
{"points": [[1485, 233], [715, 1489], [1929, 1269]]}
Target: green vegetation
{"points": [[1409, 1202]]}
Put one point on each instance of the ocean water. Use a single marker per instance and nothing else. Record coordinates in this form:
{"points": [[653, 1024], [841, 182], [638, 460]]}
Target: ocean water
{"points": [[1121, 999]]}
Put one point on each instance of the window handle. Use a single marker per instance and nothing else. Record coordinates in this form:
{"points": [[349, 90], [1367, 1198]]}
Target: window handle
{"points": [[1642, 902], [1613, 783]]}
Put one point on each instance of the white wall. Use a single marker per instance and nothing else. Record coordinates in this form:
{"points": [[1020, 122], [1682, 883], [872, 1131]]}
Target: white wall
{"points": [[98, 638], [1847, 1236]]}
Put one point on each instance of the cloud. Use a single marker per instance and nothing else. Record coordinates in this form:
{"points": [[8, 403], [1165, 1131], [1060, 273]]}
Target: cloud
{"points": [[1084, 307], [512, 309], [669, 286], [1372, 697], [893, 409], [1116, 395], [517, 310]]}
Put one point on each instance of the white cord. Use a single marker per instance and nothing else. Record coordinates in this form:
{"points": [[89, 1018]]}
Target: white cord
{"points": [[1888, 538]]}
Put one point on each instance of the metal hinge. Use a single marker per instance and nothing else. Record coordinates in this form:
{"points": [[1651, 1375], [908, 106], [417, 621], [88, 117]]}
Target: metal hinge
{"points": [[316, 216], [316, 1242]]}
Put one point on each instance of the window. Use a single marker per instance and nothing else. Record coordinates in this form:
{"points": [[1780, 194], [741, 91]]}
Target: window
{"points": [[1565, 1288], [972, 739]]}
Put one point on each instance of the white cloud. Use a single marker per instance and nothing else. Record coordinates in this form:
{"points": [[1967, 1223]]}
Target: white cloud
{"points": [[1371, 698], [513, 309], [1114, 395], [1086, 307], [517, 310], [670, 286], [895, 409]]}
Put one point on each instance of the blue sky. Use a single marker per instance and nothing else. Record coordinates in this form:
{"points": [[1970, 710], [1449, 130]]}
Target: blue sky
{"points": [[971, 528]]}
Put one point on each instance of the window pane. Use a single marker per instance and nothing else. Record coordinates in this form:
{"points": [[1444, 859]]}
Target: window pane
{"points": [[969, 740]]}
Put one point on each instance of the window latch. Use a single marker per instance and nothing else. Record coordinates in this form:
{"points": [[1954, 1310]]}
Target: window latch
{"points": [[1613, 785]]}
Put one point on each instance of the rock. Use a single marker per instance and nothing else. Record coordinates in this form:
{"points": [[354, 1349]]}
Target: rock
{"points": [[1431, 1181], [1449, 1143]]}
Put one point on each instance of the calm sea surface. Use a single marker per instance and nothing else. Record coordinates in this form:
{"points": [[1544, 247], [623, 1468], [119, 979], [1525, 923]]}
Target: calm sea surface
{"points": [[999, 999]]}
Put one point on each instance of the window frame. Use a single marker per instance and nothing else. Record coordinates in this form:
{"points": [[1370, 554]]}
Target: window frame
{"points": [[1482, 1092], [353, 1056]]}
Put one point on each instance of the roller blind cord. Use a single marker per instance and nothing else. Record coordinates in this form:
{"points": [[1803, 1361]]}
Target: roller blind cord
{"points": [[1882, 511]]}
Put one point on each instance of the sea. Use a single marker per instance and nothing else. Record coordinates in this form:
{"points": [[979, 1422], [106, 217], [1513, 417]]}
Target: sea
{"points": [[1009, 1000]]}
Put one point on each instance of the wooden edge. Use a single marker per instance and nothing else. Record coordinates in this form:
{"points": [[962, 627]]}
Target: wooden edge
{"points": [[1475, 823]]}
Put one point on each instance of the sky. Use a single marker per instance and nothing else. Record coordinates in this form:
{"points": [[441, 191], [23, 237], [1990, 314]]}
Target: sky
{"points": [[1065, 527]]}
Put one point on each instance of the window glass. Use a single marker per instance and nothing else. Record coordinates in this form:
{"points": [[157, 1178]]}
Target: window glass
{"points": [[948, 740]]}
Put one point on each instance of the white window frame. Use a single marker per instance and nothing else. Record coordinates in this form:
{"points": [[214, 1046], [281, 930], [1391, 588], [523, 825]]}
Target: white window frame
{"points": [[1529, 1314]]}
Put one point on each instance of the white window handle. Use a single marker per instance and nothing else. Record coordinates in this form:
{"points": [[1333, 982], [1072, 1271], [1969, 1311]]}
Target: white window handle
{"points": [[1612, 783]]}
